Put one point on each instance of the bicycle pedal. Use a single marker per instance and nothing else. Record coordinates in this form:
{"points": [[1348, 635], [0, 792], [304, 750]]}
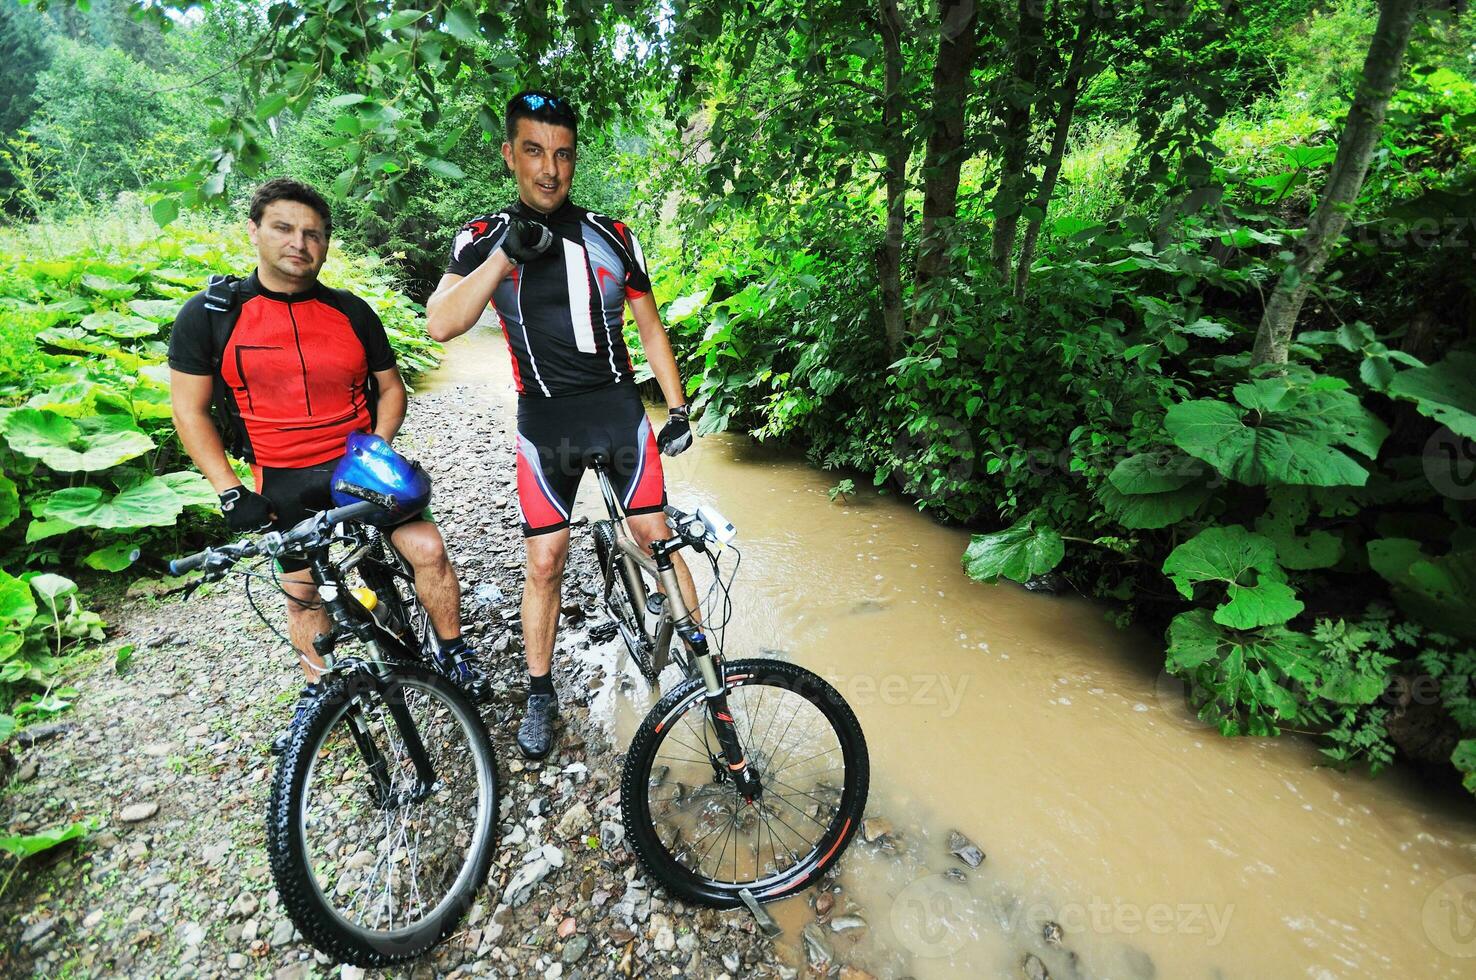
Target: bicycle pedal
{"points": [[603, 632]]}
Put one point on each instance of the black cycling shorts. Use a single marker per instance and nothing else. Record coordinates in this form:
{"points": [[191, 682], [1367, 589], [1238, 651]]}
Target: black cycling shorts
{"points": [[556, 437]]}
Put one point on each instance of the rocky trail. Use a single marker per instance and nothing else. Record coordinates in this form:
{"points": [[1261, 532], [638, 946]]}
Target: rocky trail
{"points": [[171, 758]]}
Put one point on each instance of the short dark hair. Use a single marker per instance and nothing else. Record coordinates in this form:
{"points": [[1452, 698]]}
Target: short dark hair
{"points": [[287, 189], [533, 104]]}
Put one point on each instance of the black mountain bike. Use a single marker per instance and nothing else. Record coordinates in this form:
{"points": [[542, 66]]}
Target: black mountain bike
{"points": [[382, 820], [749, 778]]}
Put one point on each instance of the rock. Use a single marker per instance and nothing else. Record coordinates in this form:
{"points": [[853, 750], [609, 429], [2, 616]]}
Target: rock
{"points": [[243, 907], [192, 934], [663, 937], [847, 923], [574, 949], [853, 973], [249, 931], [1050, 583], [27, 771], [236, 961], [817, 950], [956, 874], [38, 930], [875, 828], [732, 962], [567, 927], [1033, 968], [520, 888], [612, 834], [1052, 933], [824, 902], [574, 820], [281, 933], [138, 812], [93, 918], [964, 849], [620, 933]]}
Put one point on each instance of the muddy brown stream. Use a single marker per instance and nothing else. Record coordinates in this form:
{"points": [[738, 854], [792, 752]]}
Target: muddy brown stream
{"points": [[1054, 742]]}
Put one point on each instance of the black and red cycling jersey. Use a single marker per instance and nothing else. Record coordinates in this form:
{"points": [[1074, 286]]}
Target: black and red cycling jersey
{"points": [[292, 371], [563, 312]]}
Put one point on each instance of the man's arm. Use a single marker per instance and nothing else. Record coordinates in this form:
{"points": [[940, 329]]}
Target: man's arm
{"points": [[390, 410], [189, 397], [657, 348], [459, 300]]}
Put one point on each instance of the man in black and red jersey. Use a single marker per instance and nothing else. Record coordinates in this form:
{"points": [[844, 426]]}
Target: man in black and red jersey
{"points": [[560, 278], [292, 367]]}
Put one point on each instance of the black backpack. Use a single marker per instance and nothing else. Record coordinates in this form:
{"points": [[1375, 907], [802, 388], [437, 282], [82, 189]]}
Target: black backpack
{"points": [[223, 305]]}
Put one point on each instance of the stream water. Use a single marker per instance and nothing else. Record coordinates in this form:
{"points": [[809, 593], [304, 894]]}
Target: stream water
{"points": [[1056, 744]]}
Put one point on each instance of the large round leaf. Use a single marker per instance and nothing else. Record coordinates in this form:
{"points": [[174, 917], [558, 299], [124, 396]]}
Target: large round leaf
{"points": [[9, 501], [119, 325], [1445, 392], [88, 444], [1246, 564], [1018, 553], [192, 489], [158, 310], [110, 288], [1281, 449], [17, 605], [148, 504]]}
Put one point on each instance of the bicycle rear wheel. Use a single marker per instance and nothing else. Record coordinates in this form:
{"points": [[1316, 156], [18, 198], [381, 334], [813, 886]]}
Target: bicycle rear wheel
{"points": [[687, 821], [374, 865]]}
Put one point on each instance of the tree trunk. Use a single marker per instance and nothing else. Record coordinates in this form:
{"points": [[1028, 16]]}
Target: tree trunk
{"points": [[1360, 136], [1013, 178], [958, 21], [1070, 89], [889, 253]]}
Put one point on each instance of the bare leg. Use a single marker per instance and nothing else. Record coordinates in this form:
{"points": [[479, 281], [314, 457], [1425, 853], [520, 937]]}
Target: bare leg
{"points": [[305, 619], [435, 580], [543, 579], [646, 528]]}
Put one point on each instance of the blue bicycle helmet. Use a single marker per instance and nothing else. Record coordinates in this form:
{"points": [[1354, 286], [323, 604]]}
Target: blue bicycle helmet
{"points": [[369, 464]]}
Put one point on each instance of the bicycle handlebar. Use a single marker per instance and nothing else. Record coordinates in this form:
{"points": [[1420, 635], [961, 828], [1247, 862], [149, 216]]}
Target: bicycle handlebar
{"points": [[272, 543]]}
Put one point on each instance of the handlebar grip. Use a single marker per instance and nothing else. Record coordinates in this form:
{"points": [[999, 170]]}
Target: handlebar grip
{"points": [[179, 566]]}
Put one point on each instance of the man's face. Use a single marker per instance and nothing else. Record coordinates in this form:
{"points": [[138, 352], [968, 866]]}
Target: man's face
{"points": [[541, 156], [290, 240]]}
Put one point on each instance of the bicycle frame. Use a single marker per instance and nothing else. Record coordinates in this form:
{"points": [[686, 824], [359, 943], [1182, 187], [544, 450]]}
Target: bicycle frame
{"points": [[676, 617]]}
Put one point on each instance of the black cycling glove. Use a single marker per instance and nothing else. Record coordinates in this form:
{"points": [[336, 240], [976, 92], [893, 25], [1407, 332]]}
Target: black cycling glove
{"points": [[676, 434], [526, 240], [245, 510]]}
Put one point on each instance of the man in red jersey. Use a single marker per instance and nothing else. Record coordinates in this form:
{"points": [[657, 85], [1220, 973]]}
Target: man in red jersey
{"points": [[292, 367]]}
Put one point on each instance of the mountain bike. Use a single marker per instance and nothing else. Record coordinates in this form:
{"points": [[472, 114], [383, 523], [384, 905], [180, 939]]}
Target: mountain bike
{"points": [[382, 818], [748, 778]]}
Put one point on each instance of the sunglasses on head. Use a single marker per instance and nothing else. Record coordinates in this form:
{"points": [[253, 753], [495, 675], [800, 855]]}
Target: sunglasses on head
{"points": [[535, 101]]}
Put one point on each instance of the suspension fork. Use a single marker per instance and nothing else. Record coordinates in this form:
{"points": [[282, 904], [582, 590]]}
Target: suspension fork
{"points": [[350, 620]]}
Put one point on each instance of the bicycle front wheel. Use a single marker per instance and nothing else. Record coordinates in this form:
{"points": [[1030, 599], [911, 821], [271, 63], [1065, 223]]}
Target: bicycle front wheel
{"points": [[693, 830], [375, 863]]}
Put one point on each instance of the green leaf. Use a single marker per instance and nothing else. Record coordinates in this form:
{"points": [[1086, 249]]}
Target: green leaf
{"points": [[52, 588], [1295, 450], [1445, 391], [684, 307], [122, 658], [1019, 553], [462, 24], [1242, 671], [1440, 592], [1464, 759], [22, 846], [270, 106], [444, 168], [1155, 473], [1149, 511], [17, 604], [165, 210], [148, 504], [346, 100], [402, 19], [1245, 563], [110, 288], [1352, 687], [158, 310], [1289, 510], [40, 530], [192, 489], [86, 445], [9, 501], [114, 557], [114, 324]]}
